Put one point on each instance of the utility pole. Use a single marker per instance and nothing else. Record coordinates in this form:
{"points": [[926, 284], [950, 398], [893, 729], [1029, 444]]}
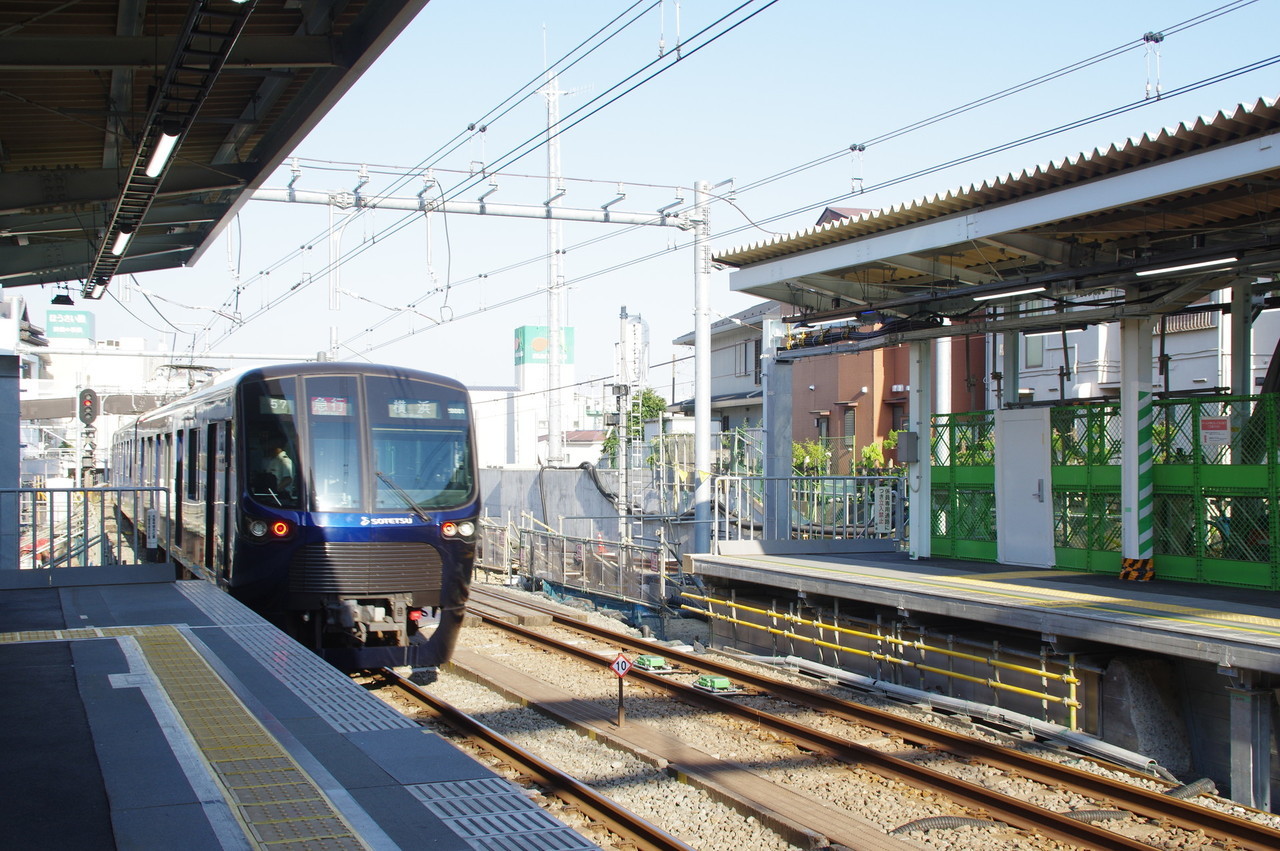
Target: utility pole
{"points": [[702, 369], [555, 277]]}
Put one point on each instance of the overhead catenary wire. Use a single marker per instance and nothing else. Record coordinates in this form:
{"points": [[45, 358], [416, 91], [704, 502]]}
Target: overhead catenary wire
{"points": [[885, 183], [568, 121], [600, 379], [516, 153], [493, 114]]}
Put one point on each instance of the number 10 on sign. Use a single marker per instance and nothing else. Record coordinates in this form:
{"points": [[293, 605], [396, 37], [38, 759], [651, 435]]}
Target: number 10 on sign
{"points": [[620, 666]]}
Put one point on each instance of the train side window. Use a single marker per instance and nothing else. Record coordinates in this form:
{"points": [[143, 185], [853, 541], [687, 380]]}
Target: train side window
{"points": [[270, 442], [193, 462], [167, 476]]}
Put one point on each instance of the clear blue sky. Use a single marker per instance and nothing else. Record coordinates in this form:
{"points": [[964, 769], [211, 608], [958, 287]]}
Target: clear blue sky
{"points": [[801, 80]]}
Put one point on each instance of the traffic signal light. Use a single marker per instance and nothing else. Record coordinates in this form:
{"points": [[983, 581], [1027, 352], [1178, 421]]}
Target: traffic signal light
{"points": [[87, 410]]}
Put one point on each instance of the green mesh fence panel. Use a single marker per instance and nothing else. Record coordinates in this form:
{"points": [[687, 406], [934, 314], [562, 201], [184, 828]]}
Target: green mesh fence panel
{"points": [[1087, 520], [1173, 433], [964, 440], [1085, 435], [1069, 530], [1104, 522], [941, 512], [1217, 474], [1177, 525], [1238, 527], [975, 515]]}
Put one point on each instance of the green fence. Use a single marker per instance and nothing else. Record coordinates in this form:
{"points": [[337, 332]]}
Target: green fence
{"points": [[1217, 473], [1085, 472], [964, 500]]}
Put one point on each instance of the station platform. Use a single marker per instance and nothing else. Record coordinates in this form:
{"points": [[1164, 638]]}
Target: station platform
{"points": [[143, 713], [1229, 627]]}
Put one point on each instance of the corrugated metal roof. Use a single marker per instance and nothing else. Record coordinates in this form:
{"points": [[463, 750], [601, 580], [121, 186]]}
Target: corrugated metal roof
{"points": [[1206, 132]]}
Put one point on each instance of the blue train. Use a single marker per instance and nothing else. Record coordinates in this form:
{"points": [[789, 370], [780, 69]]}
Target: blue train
{"points": [[338, 500]]}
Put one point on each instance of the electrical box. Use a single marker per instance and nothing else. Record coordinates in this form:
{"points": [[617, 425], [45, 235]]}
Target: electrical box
{"points": [[908, 447]]}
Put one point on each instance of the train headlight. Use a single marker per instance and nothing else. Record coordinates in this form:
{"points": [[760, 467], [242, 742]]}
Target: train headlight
{"points": [[462, 529], [258, 528]]}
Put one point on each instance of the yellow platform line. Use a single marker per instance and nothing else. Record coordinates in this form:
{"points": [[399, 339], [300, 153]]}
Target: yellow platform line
{"points": [[277, 803], [1058, 598]]}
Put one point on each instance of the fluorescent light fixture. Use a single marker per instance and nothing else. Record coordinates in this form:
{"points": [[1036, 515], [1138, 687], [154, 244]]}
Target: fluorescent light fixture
{"points": [[1048, 332], [122, 241], [1007, 294], [165, 143], [1164, 270], [99, 287]]}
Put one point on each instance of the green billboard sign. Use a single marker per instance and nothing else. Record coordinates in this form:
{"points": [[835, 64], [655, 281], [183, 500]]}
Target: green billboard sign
{"points": [[68, 324], [533, 345]]}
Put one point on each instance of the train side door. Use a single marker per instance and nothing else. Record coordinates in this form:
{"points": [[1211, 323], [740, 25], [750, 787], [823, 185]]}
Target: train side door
{"points": [[225, 531], [179, 486], [210, 493]]}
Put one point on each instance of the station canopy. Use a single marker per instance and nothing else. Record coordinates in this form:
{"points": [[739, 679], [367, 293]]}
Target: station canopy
{"points": [[144, 126], [1147, 227]]}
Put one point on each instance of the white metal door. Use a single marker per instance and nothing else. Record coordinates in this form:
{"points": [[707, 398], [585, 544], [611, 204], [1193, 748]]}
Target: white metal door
{"points": [[1024, 496]]}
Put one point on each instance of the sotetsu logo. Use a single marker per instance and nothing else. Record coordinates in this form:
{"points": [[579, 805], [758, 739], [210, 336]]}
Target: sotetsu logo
{"points": [[385, 521]]}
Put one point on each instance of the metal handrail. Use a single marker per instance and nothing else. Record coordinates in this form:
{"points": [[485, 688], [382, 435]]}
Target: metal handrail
{"points": [[84, 527], [1068, 677], [809, 507]]}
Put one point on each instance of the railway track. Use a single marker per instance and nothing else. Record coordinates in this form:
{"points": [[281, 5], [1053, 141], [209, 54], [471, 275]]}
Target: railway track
{"points": [[1162, 808], [621, 821]]}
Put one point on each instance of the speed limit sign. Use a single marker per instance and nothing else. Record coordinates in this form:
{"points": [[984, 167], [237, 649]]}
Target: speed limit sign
{"points": [[620, 666]]}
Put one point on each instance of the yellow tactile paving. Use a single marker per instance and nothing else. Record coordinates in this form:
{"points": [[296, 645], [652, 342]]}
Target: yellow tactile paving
{"points": [[989, 585], [276, 802]]}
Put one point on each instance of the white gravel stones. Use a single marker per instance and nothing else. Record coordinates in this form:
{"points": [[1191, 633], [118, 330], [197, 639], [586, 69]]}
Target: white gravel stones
{"points": [[706, 824], [680, 809]]}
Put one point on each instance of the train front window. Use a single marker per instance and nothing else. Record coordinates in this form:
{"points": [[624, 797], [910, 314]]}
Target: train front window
{"points": [[271, 442], [421, 444], [335, 470]]}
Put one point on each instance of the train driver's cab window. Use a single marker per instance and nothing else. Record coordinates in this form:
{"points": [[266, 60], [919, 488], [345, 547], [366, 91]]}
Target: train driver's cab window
{"points": [[333, 414], [421, 444], [271, 441]]}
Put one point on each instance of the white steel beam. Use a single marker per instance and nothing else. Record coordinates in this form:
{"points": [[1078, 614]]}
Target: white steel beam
{"points": [[603, 215]]}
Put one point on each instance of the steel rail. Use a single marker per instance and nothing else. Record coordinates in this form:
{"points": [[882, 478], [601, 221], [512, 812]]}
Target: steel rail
{"points": [[1138, 800], [620, 820], [1013, 811]]}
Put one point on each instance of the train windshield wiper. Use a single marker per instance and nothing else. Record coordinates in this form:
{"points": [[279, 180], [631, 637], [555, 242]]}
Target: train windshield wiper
{"points": [[404, 497]]}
